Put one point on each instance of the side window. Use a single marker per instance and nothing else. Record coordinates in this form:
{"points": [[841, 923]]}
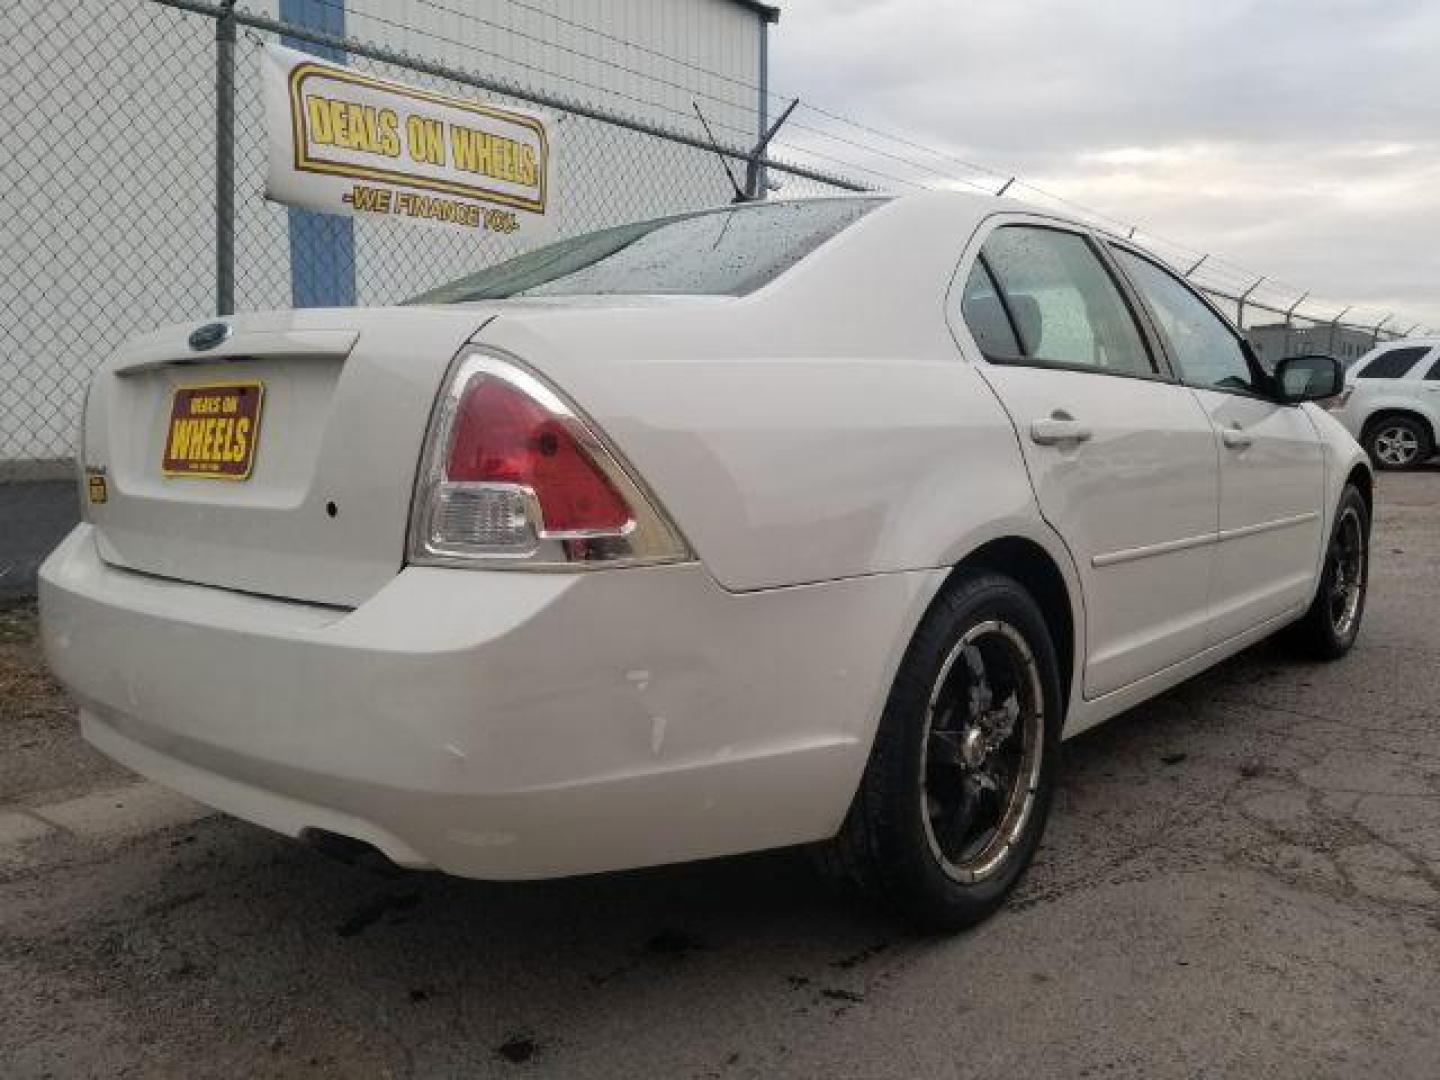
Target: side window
{"points": [[1433, 375], [1059, 302], [1206, 350], [1393, 363]]}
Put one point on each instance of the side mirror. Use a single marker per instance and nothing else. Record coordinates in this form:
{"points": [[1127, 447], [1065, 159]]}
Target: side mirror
{"points": [[1308, 378]]}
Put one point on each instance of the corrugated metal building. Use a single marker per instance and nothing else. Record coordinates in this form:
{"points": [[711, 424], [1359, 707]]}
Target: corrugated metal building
{"points": [[107, 212]]}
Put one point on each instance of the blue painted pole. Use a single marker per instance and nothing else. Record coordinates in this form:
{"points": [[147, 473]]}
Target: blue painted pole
{"points": [[322, 246]]}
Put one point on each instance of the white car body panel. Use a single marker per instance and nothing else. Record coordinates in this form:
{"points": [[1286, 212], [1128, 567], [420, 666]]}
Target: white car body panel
{"points": [[1342, 459], [845, 465], [1131, 501], [1272, 528], [830, 447]]}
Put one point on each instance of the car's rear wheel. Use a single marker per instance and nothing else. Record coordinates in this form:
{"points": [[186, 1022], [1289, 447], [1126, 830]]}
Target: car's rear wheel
{"points": [[958, 787], [1399, 442], [1330, 627]]}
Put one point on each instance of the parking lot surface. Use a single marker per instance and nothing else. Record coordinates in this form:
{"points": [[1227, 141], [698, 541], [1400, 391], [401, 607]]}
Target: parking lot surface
{"points": [[1241, 878]]}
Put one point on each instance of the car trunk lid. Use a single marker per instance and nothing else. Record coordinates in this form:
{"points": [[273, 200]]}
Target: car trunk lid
{"points": [[338, 402]]}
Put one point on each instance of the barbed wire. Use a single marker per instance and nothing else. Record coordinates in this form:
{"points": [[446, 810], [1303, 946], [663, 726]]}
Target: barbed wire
{"points": [[633, 45], [649, 76]]}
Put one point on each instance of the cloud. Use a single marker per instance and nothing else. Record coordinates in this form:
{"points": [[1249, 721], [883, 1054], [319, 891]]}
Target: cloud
{"points": [[1300, 139]]}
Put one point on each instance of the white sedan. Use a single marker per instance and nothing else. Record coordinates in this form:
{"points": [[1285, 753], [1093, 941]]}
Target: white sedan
{"points": [[809, 522]]}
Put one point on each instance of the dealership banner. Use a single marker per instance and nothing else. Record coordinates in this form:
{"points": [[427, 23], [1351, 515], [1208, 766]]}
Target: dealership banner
{"points": [[345, 142]]}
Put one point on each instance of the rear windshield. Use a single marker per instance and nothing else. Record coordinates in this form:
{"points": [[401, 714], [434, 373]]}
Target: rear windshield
{"points": [[727, 252]]}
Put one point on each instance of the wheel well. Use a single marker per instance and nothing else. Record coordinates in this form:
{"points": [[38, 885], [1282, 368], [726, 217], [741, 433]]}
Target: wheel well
{"points": [[1029, 564], [1386, 414], [1365, 484]]}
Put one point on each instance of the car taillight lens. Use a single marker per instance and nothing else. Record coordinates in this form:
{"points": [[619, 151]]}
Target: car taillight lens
{"points": [[514, 476], [503, 437]]}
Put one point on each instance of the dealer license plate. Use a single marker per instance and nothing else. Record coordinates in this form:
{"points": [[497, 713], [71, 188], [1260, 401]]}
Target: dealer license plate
{"points": [[213, 431]]}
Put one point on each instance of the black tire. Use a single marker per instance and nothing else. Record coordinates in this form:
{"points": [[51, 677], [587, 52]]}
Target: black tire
{"points": [[1398, 443], [889, 845], [1329, 628]]}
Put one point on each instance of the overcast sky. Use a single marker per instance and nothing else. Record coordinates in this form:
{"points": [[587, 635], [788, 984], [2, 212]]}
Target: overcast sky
{"points": [[1298, 138]]}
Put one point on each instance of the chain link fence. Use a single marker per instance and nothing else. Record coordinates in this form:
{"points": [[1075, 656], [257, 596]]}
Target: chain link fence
{"points": [[83, 261], [115, 97]]}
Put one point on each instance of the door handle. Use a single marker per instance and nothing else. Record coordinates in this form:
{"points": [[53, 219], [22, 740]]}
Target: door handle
{"points": [[1235, 437], [1058, 428]]}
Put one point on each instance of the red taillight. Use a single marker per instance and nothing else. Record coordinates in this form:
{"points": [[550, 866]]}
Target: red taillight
{"points": [[503, 436], [514, 476]]}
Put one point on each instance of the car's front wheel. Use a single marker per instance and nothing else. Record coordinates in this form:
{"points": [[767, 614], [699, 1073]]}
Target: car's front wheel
{"points": [[1330, 627], [958, 787], [1399, 442]]}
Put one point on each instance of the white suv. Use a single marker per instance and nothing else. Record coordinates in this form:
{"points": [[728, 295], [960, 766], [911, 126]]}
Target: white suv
{"points": [[1391, 402]]}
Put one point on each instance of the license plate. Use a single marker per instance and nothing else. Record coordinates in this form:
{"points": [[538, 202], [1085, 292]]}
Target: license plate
{"points": [[213, 431]]}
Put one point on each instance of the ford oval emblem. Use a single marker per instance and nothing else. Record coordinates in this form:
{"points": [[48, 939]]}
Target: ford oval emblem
{"points": [[209, 335]]}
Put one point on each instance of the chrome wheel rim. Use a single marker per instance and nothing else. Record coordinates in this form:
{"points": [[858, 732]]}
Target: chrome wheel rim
{"points": [[1397, 445], [982, 751], [1346, 559]]}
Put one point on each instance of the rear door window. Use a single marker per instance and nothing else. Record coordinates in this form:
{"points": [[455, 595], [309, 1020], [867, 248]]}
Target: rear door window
{"points": [[1043, 295], [1393, 363]]}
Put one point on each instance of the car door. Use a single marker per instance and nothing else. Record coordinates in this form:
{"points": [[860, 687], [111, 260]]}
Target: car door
{"points": [[1272, 467], [1122, 459]]}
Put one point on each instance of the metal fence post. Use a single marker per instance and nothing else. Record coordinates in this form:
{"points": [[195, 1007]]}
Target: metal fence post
{"points": [[1290, 320], [1375, 333], [762, 177], [225, 160], [1240, 303], [1334, 328]]}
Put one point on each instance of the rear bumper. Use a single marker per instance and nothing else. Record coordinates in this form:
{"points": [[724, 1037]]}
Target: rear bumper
{"points": [[492, 724]]}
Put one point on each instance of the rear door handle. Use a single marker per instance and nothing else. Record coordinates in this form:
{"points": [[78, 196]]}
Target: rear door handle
{"points": [[1235, 438], [1058, 429]]}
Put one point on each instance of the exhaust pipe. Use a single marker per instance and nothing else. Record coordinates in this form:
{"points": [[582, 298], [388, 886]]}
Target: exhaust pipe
{"points": [[351, 852]]}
